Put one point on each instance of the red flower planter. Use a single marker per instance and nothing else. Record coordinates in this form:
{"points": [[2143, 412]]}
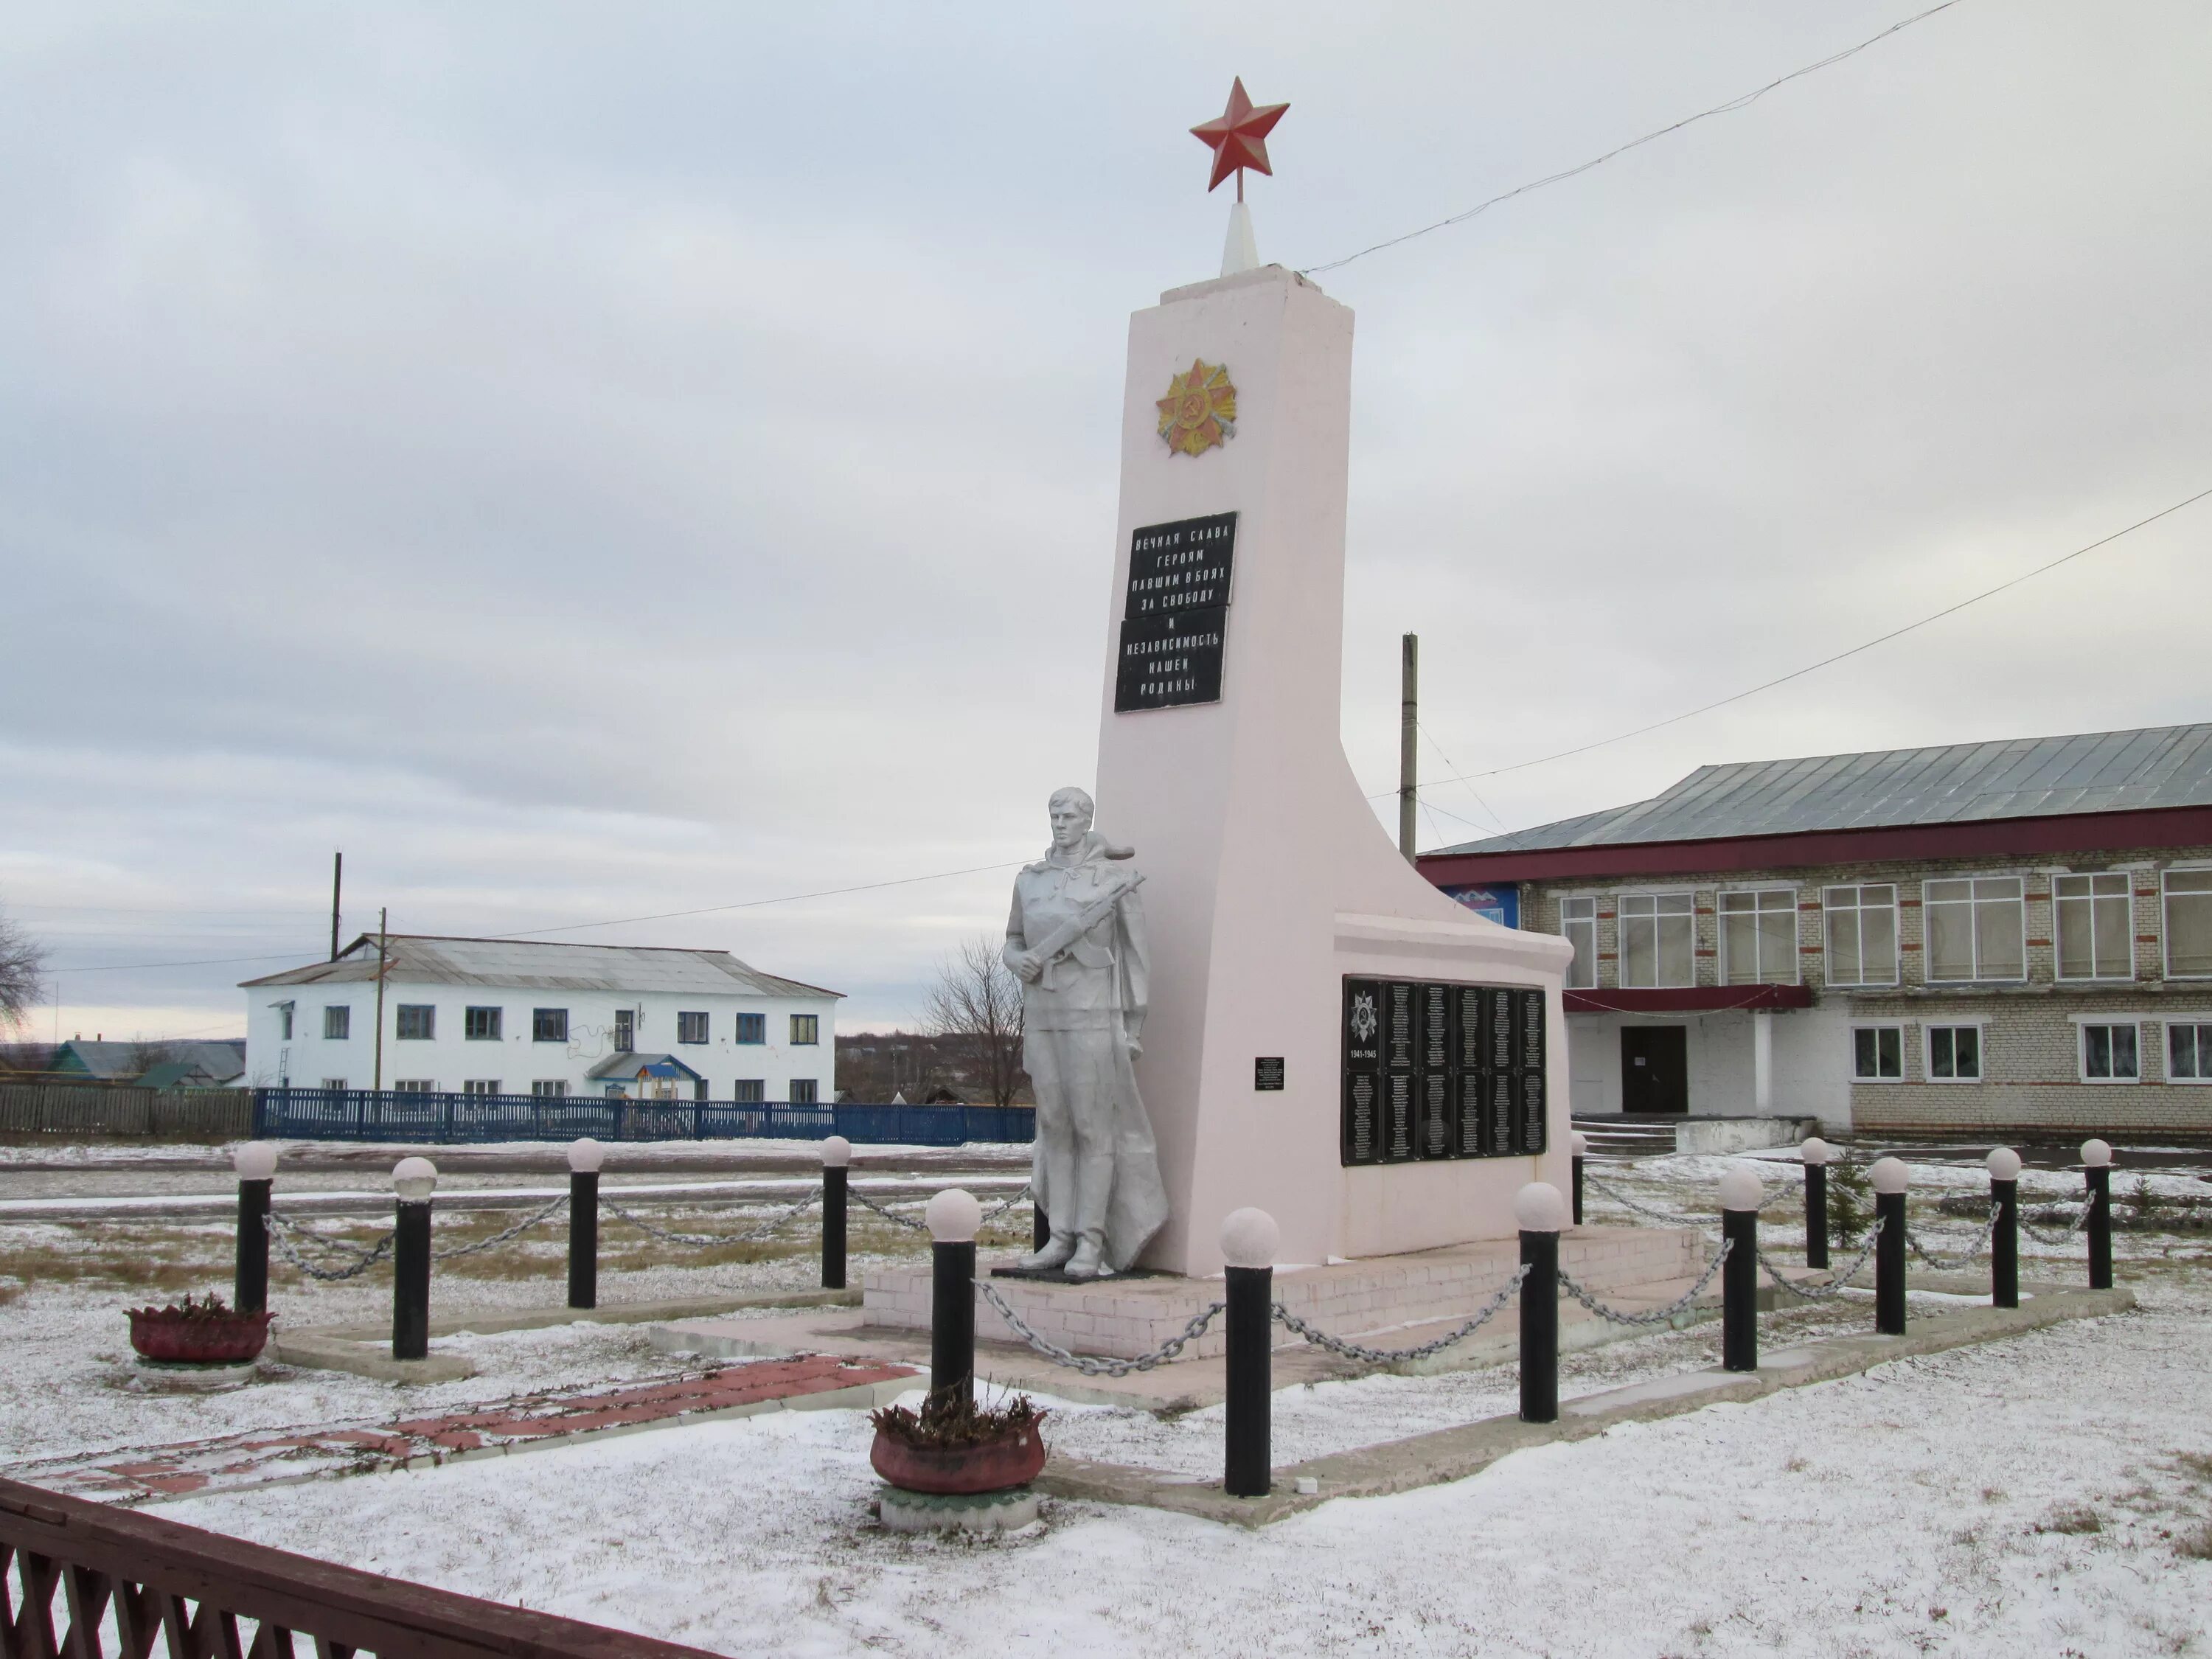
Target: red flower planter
{"points": [[231, 1340], [960, 1470]]}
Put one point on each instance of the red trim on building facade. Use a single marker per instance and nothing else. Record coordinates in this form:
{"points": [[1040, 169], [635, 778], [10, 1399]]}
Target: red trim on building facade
{"points": [[1689, 999], [2077, 832]]}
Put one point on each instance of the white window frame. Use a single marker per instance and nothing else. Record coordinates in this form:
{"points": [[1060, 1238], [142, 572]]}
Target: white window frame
{"points": [[413, 1085], [1973, 905], [1720, 931], [2058, 936], [343, 1010], [2166, 1024], [550, 1088], [1828, 932], [1620, 935], [1566, 924], [480, 1085], [2166, 919], [1859, 1025], [2083, 1025], [336, 1083], [1981, 1030]]}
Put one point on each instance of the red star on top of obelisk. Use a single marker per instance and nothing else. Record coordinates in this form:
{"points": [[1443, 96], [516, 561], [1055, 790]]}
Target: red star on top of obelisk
{"points": [[1239, 139]]}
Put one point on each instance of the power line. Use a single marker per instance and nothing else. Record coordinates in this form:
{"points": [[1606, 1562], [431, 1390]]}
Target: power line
{"points": [[1733, 105], [1799, 674]]}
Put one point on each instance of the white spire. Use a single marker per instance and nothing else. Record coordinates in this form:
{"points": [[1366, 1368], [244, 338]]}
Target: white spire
{"points": [[1239, 252]]}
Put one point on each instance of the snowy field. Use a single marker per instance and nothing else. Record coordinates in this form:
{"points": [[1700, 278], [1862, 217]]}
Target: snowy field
{"points": [[2050, 1494]]}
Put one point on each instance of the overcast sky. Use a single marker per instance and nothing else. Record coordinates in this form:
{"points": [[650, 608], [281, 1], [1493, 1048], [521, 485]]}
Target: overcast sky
{"points": [[588, 461]]}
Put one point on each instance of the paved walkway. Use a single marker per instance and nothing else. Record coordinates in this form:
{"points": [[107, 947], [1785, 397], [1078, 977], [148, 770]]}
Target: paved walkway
{"points": [[141, 1474]]}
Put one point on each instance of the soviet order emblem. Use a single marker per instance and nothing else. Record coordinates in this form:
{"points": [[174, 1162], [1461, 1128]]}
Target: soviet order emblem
{"points": [[1199, 410], [1363, 1023]]}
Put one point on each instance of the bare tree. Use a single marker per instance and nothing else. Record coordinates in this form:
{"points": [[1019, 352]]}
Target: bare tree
{"points": [[975, 1007], [22, 974]]}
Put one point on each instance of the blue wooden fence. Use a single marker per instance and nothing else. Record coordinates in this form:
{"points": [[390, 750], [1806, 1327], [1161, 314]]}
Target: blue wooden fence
{"points": [[373, 1115]]}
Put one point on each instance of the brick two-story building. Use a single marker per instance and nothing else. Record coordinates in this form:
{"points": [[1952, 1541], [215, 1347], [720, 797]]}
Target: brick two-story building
{"points": [[2014, 937]]}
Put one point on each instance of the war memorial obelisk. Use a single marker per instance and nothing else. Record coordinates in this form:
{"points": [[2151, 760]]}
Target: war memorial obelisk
{"points": [[1330, 1038]]}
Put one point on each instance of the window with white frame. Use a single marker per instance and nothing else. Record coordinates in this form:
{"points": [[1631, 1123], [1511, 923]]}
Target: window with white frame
{"points": [[1759, 936], [415, 1085], [1658, 939], [480, 1085], [335, 1083], [2095, 925], [2109, 1054], [1861, 923], [1578, 926], [1877, 1053], [338, 1024], [1977, 929], [2189, 924], [551, 1088], [1954, 1054], [2188, 1051]]}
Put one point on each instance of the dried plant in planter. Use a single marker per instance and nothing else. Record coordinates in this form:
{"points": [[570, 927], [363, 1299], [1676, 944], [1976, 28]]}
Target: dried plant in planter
{"points": [[192, 1308], [951, 1419], [197, 1331]]}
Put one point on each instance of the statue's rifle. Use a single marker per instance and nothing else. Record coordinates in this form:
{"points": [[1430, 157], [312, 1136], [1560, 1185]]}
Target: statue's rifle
{"points": [[1047, 950]]}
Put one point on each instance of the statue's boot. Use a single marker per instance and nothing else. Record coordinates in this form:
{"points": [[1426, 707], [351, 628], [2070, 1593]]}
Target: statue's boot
{"points": [[1089, 1260], [1057, 1249]]}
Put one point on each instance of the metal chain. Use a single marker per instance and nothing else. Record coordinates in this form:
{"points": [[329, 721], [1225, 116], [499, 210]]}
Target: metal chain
{"points": [[1628, 1203], [1837, 1282], [279, 1230], [1291, 1321], [1098, 1367], [519, 1227], [709, 1240], [867, 1203], [989, 1216], [1658, 1316], [1956, 1263], [2062, 1237]]}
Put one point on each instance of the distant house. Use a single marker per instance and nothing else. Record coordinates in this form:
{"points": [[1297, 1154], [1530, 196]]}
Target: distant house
{"points": [[1994, 938], [478, 1016], [219, 1065]]}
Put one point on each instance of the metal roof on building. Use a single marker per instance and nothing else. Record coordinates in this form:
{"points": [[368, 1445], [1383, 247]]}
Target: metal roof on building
{"points": [[539, 965], [2024, 778]]}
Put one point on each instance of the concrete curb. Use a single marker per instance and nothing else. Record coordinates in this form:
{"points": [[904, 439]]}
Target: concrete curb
{"points": [[1446, 1454]]}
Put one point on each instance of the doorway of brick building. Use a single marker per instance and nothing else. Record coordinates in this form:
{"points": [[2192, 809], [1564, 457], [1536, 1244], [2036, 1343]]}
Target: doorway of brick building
{"points": [[1655, 1068]]}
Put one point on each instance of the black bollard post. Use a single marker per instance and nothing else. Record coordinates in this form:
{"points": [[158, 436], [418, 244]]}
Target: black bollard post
{"points": [[2004, 1238], [836, 1159], [1889, 1178], [1815, 1154], [1249, 1238], [2097, 1175], [256, 1163], [1578, 1144], [953, 1217], [1542, 1212], [585, 1158], [1740, 1194], [413, 1180]]}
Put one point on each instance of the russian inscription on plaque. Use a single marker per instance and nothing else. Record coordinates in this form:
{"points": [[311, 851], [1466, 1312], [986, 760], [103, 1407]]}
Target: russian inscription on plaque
{"points": [[1176, 614], [1267, 1071], [1442, 1071]]}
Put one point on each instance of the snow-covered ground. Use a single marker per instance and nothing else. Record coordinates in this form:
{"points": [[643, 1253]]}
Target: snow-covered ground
{"points": [[2036, 1496]]}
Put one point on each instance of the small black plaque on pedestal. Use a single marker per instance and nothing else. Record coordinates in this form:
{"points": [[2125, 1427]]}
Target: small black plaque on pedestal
{"points": [[1267, 1071]]}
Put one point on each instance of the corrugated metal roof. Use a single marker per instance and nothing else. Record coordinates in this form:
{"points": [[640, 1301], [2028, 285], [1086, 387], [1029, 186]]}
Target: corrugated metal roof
{"points": [[633, 1065], [2024, 778], [538, 965]]}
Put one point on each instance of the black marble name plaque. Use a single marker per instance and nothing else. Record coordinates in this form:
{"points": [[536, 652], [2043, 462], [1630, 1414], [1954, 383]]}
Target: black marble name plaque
{"points": [[1181, 566], [1171, 659], [1176, 614], [1442, 1071], [1267, 1071]]}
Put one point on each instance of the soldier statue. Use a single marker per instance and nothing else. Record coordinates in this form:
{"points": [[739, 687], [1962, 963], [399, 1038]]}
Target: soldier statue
{"points": [[1076, 938]]}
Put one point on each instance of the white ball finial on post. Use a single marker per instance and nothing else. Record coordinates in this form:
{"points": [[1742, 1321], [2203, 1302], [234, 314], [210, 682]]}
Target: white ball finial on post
{"points": [[1816, 1150], [2096, 1154], [1250, 1238], [414, 1179], [585, 1156], [1539, 1208], [255, 1161], [1889, 1175], [1741, 1188], [836, 1153], [953, 1216], [2004, 1164]]}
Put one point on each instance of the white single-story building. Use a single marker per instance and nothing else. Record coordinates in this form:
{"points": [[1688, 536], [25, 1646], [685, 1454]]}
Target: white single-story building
{"points": [[491, 1017]]}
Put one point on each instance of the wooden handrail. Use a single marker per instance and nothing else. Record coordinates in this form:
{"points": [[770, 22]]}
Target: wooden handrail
{"points": [[163, 1578]]}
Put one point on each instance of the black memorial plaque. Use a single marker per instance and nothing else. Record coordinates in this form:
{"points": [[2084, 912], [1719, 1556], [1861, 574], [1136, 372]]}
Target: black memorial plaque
{"points": [[1174, 616], [1171, 659], [1184, 566], [1267, 1071], [1442, 1071]]}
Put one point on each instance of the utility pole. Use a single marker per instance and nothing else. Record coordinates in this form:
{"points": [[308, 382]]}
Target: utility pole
{"points": [[382, 916], [338, 881], [1409, 727]]}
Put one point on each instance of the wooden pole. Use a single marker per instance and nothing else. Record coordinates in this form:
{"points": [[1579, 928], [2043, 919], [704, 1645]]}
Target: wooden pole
{"points": [[1409, 727], [337, 882], [382, 916]]}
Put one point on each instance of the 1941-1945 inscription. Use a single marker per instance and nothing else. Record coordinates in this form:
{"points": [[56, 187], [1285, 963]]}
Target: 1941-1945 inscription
{"points": [[1442, 1071], [1176, 614]]}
